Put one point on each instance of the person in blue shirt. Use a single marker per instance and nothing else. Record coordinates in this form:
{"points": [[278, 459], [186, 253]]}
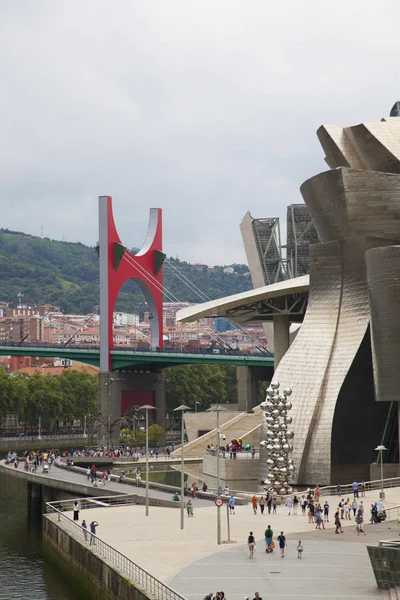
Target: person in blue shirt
{"points": [[355, 489], [232, 504]]}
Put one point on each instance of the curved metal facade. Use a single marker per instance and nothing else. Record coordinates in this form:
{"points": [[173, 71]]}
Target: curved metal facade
{"points": [[383, 268], [355, 208]]}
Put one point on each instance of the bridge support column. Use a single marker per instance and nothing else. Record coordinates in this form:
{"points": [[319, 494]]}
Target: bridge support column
{"points": [[34, 498], [119, 391], [281, 337], [248, 382]]}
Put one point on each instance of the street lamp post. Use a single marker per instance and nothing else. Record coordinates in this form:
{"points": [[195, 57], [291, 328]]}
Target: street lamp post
{"points": [[381, 449], [146, 408], [40, 428], [182, 409], [218, 409]]}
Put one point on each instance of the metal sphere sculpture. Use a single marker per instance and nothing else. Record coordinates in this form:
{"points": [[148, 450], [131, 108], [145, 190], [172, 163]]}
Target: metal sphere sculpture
{"points": [[278, 443]]}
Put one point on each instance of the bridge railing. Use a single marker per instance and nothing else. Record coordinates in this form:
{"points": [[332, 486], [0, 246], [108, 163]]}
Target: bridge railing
{"points": [[35, 437], [95, 347], [140, 577]]}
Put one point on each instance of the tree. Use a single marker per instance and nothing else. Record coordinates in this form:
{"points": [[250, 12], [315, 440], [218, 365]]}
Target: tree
{"points": [[204, 384], [132, 437], [79, 394], [156, 433]]}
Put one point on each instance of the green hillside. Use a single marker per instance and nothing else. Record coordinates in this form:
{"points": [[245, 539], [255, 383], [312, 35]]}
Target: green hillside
{"points": [[66, 274]]}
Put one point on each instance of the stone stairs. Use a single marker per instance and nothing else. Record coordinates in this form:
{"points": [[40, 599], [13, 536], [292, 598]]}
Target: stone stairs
{"points": [[245, 426], [392, 593]]}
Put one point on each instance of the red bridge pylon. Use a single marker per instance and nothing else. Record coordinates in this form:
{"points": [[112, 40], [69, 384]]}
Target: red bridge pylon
{"points": [[117, 265]]}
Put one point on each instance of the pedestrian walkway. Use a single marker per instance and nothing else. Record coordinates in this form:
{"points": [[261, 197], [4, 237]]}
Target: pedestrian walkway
{"points": [[157, 544], [328, 570], [61, 474], [333, 566]]}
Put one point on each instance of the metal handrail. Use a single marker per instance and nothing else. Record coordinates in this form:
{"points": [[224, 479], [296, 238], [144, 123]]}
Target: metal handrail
{"points": [[389, 543], [390, 508], [347, 489], [94, 502], [142, 578]]}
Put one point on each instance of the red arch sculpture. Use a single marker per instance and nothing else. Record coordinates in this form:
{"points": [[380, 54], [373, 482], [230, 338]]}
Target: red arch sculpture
{"points": [[117, 265]]}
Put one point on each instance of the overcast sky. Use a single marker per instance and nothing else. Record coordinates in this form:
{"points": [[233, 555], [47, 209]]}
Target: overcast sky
{"points": [[205, 108]]}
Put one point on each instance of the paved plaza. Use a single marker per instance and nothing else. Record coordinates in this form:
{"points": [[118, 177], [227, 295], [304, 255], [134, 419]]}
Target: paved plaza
{"points": [[333, 566]]}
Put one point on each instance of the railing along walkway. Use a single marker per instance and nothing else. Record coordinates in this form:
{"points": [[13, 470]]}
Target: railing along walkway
{"points": [[126, 567]]}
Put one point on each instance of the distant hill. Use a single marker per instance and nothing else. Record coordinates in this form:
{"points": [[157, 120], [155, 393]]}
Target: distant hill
{"points": [[66, 274]]}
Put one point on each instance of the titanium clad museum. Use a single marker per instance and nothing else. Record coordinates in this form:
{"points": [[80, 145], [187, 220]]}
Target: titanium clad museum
{"points": [[343, 365]]}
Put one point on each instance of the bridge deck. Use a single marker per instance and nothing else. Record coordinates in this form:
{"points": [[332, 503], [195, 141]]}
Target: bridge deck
{"points": [[147, 361]]}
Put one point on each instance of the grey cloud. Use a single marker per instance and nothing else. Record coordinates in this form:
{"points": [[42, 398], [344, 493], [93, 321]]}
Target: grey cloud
{"points": [[205, 108]]}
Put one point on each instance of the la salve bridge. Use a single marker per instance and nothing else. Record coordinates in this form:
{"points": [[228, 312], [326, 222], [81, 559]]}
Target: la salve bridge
{"points": [[138, 361]]}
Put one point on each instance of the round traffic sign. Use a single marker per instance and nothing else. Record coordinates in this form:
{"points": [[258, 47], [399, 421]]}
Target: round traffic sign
{"points": [[218, 502]]}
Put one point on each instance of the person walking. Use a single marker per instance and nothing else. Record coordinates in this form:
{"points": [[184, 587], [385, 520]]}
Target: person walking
{"points": [[326, 512], [262, 504], [254, 504], [347, 507], [282, 543], [299, 549], [354, 506], [84, 527], [295, 505], [274, 503], [257, 596], [93, 526], [269, 534], [269, 504], [251, 543], [303, 504], [311, 511], [338, 523], [355, 489], [374, 513], [232, 504], [360, 523], [289, 505], [138, 477], [88, 473], [76, 511]]}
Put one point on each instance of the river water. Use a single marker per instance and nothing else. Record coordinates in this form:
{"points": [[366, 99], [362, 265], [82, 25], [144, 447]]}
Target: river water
{"points": [[23, 573]]}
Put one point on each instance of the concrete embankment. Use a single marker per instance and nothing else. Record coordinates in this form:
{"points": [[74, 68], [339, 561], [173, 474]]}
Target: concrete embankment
{"points": [[89, 573]]}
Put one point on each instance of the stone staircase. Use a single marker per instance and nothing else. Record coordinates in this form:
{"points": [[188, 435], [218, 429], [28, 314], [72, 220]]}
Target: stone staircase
{"points": [[245, 426], [392, 593]]}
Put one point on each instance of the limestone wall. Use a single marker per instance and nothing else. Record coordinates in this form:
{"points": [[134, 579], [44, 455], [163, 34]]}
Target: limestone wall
{"points": [[231, 469], [204, 421]]}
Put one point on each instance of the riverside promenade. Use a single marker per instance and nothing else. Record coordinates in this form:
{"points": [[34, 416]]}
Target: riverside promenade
{"points": [[333, 566]]}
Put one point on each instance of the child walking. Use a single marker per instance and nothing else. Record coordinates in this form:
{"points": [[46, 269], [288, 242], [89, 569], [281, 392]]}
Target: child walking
{"points": [[299, 549]]}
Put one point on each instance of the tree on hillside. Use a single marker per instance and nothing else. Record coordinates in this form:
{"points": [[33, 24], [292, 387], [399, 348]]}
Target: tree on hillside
{"points": [[43, 269]]}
